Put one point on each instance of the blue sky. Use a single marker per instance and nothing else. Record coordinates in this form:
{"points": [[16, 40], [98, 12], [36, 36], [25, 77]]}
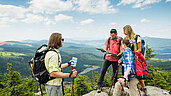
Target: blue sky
{"points": [[83, 19]]}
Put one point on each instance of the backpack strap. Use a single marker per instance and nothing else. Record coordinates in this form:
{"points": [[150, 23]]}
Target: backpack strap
{"points": [[57, 54], [109, 43]]}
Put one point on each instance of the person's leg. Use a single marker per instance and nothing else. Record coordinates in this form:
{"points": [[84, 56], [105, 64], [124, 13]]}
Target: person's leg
{"points": [[115, 65], [143, 85], [117, 90], [52, 90], [104, 68], [133, 87]]}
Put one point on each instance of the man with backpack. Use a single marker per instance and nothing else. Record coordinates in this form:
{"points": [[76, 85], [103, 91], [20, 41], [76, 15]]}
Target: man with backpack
{"points": [[113, 45], [54, 67]]}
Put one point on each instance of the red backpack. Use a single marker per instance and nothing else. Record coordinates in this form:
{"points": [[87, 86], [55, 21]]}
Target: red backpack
{"points": [[140, 66]]}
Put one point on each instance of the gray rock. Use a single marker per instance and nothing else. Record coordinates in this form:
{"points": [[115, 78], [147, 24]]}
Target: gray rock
{"points": [[151, 91], [94, 93]]}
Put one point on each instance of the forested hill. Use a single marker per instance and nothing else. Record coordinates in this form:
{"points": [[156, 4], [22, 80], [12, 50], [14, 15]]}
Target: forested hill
{"points": [[19, 53]]}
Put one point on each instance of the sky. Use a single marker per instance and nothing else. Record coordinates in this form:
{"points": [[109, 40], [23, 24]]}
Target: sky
{"points": [[82, 19]]}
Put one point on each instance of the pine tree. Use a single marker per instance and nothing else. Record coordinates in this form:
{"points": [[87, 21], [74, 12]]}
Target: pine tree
{"points": [[156, 77], [82, 85], [13, 85]]}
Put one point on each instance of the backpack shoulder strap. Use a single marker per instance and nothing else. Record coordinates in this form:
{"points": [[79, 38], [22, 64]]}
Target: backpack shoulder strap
{"points": [[109, 42], [57, 54], [120, 42]]}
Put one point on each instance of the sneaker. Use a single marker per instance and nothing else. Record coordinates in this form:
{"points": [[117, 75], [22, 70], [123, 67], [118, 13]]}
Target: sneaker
{"points": [[99, 90]]}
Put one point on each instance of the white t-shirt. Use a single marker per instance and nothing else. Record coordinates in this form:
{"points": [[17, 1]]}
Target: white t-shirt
{"points": [[138, 39]]}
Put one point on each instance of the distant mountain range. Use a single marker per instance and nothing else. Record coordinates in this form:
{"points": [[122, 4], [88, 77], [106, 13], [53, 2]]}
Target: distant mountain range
{"points": [[161, 46], [20, 52]]}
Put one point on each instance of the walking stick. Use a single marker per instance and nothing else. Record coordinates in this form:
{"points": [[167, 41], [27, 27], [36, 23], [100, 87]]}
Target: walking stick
{"points": [[72, 85], [113, 79], [138, 90], [123, 89], [143, 88]]}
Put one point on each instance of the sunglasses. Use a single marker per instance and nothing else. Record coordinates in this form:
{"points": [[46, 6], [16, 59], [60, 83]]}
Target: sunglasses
{"points": [[62, 39]]}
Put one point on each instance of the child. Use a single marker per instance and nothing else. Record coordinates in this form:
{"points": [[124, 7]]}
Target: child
{"points": [[129, 69]]}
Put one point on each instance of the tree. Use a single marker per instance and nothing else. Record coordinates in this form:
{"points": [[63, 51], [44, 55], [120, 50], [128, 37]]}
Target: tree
{"points": [[82, 85], [156, 77], [13, 85]]}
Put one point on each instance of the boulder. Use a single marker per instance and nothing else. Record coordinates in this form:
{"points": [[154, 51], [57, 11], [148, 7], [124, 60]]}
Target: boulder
{"points": [[151, 91]]}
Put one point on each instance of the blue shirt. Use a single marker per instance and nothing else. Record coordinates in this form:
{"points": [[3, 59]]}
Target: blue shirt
{"points": [[128, 60]]}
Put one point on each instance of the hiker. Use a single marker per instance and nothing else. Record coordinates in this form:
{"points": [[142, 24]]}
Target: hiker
{"points": [[129, 69], [53, 65], [113, 46], [136, 46]]}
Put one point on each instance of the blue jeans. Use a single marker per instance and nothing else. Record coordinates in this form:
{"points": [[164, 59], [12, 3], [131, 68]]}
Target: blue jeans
{"points": [[53, 90]]}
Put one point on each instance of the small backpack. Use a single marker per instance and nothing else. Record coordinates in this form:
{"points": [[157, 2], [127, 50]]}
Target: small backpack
{"points": [[140, 66], [38, 65]]}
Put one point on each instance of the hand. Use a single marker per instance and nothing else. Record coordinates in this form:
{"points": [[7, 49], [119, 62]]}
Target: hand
{"points": [[119, 61], [102, 50], [121, 80], [69, 63], [74, 73], [114, 55]]}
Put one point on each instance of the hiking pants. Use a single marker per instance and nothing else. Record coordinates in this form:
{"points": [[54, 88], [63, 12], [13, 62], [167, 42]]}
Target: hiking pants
{"points": [[104, 68], [132, 84], [53, 90]]}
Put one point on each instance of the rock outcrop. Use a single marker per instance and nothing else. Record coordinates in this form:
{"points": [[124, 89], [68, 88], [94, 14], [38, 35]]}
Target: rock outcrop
{"points": [[151, 91]]}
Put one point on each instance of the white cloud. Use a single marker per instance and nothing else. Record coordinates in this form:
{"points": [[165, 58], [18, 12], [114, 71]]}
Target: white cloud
{"points": [[113, 23], [12, 11], [168, 0], [88, 21], [53, 6], [145, 2], [145, 20], [62, 17], [94, 6], [50, 6], [138, 3], [48, 22], [31, 18], [6, 20], [125, 2]]}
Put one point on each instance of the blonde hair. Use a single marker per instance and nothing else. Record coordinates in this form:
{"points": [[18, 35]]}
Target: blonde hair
{"points": [[128, 30]]}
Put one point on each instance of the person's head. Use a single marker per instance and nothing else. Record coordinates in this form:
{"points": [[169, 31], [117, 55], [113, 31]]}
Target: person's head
{"points": [[128, 31], [55, 40], [113, 33], [126, 43]]}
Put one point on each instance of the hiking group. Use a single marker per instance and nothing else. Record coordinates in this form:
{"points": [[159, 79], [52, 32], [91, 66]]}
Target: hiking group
{"points": [[47, 64], [129, 53]]}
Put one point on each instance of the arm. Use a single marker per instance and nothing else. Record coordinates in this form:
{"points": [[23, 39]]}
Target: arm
{"points": [[62, 75], [121, 52], [67, 64], [64, 65], [127, 72], [105, 48], [139, 47]]}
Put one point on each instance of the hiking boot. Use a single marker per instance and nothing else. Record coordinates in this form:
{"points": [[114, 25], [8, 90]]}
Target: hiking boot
{"points": [[99, 90]]}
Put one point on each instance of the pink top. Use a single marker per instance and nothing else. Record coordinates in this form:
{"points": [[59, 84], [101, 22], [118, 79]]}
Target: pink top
{"points": [[114, 48]]}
